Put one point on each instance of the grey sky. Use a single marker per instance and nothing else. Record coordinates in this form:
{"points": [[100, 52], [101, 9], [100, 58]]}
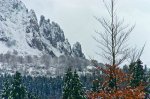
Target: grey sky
{"points": [[76, 19]]}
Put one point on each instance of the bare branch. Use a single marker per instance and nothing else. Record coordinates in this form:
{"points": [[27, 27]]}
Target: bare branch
{"points": [[135, 54], [113, 39]]}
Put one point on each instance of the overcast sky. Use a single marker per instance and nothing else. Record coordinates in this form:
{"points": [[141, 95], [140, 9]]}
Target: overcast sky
{"points": [[76, 19]]}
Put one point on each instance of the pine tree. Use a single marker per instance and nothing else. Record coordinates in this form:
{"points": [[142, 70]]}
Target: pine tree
{"points": [[137, 74], [145, 73], [18, 91], [131, 67], [67, 87], [77, 87], [72, 88], [6, 90], [147, 89]]}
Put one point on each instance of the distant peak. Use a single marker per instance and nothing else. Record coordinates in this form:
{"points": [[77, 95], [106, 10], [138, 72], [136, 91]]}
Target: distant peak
{"points": [[77, 50]]}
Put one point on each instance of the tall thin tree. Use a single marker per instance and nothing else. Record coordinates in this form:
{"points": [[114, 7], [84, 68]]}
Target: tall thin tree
{"points": [[113, 40]]}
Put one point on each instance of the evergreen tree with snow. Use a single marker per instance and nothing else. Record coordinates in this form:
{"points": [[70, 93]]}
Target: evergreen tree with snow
{"points": [[137, 74], [6, 90], [72, 88], [78, 92], [18, 91], [68, 86]]}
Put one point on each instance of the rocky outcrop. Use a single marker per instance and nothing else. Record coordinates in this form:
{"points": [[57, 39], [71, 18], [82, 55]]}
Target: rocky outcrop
{"points": [[21, 31], [33, 36], [77, 50]]}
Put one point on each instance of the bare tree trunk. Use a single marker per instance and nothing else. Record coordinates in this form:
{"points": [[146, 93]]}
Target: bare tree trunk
{"points": [[113, 39], [112, 23]]}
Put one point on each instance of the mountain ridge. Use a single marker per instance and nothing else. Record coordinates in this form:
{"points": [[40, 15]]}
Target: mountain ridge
{"points": [[21, 31], [35, 48]]}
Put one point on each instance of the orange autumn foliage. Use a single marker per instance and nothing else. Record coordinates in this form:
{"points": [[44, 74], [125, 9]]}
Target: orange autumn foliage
{"points": [[121, 88]]}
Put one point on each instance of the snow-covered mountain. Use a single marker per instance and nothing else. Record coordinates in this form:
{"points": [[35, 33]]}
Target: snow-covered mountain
{"points": [[21, 31], [32, 47]]}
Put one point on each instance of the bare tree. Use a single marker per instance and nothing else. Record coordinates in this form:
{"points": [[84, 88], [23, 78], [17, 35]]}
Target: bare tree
{"points": [[113, 40], [135, 54]]}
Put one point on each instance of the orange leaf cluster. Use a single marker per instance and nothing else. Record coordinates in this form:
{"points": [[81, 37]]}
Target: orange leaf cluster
{"points": [[122, 89]]}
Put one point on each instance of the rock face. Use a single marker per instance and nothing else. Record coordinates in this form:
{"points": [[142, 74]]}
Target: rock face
{"points": [[21, 31], [33, 37], [77, 50]]}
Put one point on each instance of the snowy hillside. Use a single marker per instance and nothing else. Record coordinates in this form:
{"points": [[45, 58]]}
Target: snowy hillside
{"points": [[21, 31], [33, 47]]}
